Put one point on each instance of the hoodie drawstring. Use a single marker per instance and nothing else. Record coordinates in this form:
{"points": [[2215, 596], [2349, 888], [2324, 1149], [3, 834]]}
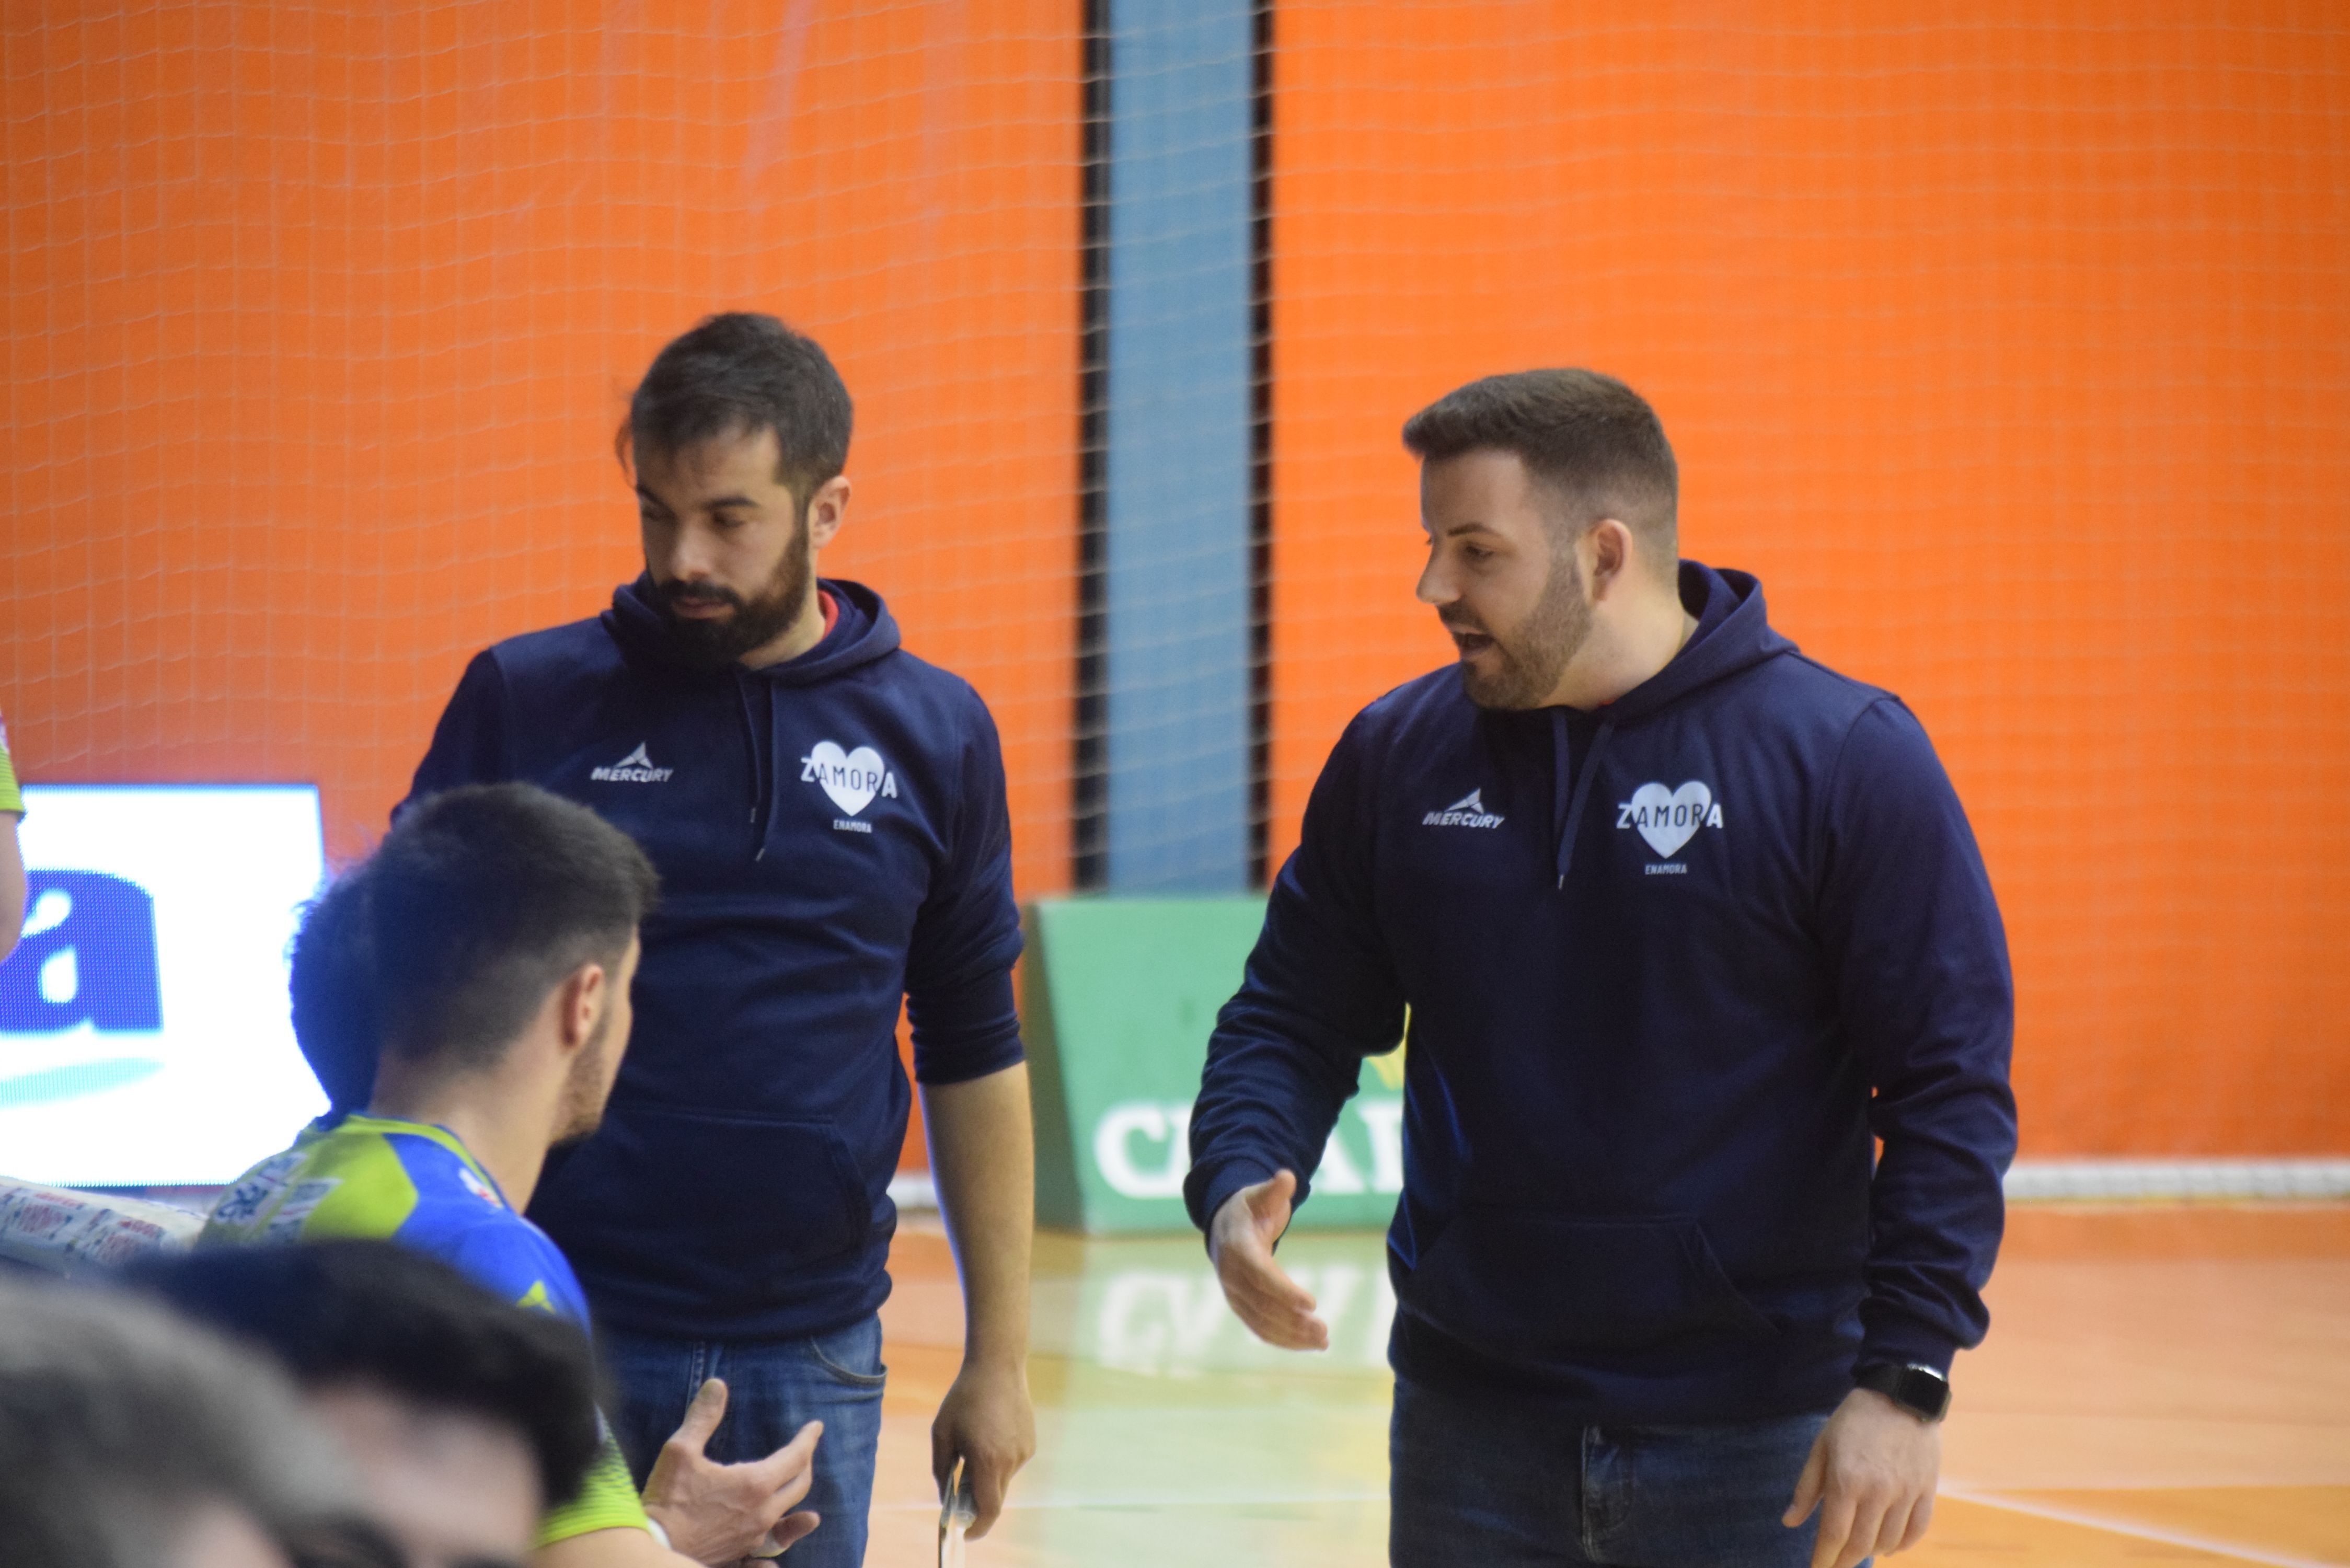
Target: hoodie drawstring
{"points": [[1581, 785], [775, 796], [759, 786]]}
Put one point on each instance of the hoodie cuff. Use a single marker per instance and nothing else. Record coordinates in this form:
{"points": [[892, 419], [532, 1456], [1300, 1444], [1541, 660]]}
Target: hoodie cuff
{"points": [[966, 1031], [1220, 1182], [1892, 1338]]}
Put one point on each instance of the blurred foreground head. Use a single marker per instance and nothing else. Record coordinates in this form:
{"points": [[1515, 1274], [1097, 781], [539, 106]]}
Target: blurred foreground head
{"points": [[464, 1417], [131, 1439]]}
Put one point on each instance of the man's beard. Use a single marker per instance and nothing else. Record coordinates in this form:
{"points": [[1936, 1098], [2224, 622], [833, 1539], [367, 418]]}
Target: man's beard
{"points": [[717, 643], [1534, 654], [588, 1088]]}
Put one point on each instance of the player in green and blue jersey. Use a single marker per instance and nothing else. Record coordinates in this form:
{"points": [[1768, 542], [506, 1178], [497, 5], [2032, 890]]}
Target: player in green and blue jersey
{"points": [[12, 855], [416, 1184], [485, 954]]}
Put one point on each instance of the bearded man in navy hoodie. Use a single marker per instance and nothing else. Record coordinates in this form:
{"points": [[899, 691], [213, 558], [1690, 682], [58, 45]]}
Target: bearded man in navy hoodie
{"points": [[827, 815], [1682, 919]]}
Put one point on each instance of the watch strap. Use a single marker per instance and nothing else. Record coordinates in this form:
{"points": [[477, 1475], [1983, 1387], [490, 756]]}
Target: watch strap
{"points": [[1920, 1390]]}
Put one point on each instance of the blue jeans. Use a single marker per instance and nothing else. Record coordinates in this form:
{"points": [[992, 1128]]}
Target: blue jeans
{"points": [[772, 1387], [1485, 1482]]}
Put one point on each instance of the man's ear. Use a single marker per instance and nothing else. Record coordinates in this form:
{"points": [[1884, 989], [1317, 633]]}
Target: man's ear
{"points": [[1607, 548], [826, 509], [579, 1004]]}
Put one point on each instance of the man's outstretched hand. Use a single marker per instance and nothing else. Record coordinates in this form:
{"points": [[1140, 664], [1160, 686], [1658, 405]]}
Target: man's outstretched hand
{"points": [[719, 1514], [1276, 1308], [1871, 1475]]}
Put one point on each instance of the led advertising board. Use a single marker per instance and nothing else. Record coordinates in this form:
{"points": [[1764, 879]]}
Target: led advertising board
{"points": [[143, 1033]]}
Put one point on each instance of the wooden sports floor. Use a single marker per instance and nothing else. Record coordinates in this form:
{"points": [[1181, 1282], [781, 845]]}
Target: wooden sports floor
{"points": [[2161, 1386]]}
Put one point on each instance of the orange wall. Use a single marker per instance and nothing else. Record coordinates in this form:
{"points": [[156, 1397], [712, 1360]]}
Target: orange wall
{"points": [[2012, 353], [319, 320]]}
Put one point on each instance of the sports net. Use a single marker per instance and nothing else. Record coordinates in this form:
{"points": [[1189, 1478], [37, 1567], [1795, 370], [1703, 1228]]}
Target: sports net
{"points": [[2007, 352], [320, 318]]}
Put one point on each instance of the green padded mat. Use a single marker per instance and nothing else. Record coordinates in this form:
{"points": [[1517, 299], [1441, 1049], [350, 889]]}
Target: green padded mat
{"points": [[1118, 997]]}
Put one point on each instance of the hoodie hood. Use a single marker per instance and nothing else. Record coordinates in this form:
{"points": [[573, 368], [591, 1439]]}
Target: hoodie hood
{"points": [[1739, 638], [1733, 634], [865, 631]]}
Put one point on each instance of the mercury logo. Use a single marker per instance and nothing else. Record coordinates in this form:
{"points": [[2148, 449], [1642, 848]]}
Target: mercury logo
{"points": [[1468, 811], [637, 767]]}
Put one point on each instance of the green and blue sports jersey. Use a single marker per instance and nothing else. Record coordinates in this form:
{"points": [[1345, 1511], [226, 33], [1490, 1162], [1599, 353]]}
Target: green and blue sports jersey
{"points": [[11, 798], [371, 1177], [405, 1182]]}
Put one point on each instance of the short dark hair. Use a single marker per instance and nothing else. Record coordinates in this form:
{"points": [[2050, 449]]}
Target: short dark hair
{"points": [[738, 374], [332, 982], [339, 1313], [482, 898], [1593, 439], [119, 1420]]}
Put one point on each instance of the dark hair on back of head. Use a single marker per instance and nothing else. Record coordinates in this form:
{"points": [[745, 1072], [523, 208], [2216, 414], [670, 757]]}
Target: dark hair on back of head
{"points": [[119, 1420], [332, 982], [1593, 439], [481, 900], [738, 374], [378, 1314]]}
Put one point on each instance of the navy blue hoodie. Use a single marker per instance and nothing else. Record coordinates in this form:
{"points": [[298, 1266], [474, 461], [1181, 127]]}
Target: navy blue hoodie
{"points": [[1668, 967], [832, 838]]}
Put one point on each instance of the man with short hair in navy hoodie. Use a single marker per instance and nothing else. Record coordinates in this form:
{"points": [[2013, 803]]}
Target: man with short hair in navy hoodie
{"points": [[827, 815], [1679, 921]]}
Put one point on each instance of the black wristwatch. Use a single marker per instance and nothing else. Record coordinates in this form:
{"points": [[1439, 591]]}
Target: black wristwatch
{"points": [[1920, 1390]]}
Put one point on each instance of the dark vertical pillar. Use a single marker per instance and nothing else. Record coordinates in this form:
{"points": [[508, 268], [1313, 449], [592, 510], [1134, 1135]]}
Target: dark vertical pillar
{"points": [[1174, 287]]}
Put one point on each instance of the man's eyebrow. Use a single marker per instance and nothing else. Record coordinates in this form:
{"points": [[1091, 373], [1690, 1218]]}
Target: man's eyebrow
{"points": [[714, 504], [1473, 525]]}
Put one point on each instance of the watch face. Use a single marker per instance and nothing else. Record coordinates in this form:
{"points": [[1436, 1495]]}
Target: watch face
{"points": [[1920, 1390], [1924, 1391]]}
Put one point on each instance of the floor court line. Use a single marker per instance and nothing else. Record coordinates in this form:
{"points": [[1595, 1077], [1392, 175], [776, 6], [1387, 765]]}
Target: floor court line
{"points": [[1162, 1500], [2154, 1374], [1962, 1494], [2123, 1527]]}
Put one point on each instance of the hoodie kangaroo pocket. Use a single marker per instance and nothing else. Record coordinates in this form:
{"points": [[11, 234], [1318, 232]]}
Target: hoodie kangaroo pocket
{"points": [[1527, 1285], [710, 1201]]}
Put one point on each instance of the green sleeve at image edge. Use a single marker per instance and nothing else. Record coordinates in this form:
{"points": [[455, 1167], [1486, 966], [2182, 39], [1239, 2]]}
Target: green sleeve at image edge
{"points": [[607, 1501]]}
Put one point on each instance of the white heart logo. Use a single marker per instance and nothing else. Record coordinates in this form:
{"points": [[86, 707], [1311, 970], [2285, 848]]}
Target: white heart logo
{"points": [[851, 778], [1668, 818]]}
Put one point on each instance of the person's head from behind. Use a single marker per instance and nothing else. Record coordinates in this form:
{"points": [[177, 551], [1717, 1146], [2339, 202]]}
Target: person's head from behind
{"points": [[1550, 500], [332, 981], [129, 1438], [464, 1416], [736, 438], [505, 933]]}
